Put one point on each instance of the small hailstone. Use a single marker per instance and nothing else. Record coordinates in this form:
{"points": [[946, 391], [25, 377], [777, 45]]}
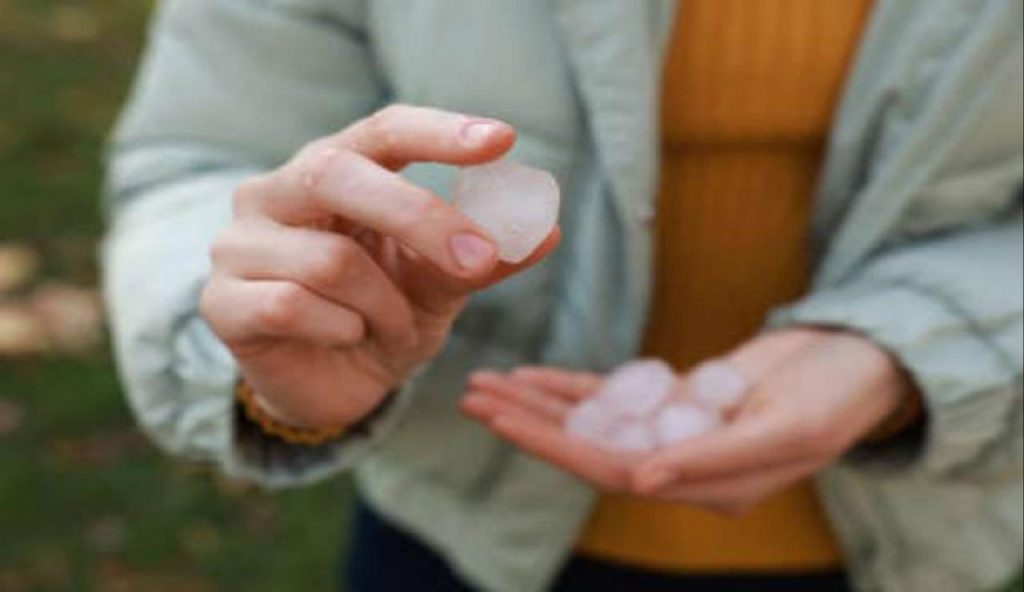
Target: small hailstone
{"points": [[633, 435], [589, 420], [717, 385], [516, 204], [637, 388], [682, 421]]}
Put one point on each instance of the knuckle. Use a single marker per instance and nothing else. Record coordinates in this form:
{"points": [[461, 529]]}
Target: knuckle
{"points": [[348, 176], [313, 162], [208, 303], [311, 149], [388, 114], [222, 246], [384, 126], [212, 310], [247, 194], [352, 330], [280, 310], [422, 209], [332, 262]]}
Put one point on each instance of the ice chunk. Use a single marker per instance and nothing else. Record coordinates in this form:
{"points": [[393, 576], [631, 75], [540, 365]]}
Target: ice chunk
{"points": [[630, 435], [516, 204], [637, 388], [589, 420], [717, 385], [682, 421]]}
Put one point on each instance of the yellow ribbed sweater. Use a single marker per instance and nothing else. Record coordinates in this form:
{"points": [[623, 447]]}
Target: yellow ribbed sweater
{"points": [[749, 89]]}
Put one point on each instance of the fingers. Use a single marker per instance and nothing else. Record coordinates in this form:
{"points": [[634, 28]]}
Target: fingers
{"points": [[544, 439], [442, 295], [242, 313], [521, 394], [334, 267], [353, 187], [400, 134], [505, 269], [485, 407], [571, 386]]}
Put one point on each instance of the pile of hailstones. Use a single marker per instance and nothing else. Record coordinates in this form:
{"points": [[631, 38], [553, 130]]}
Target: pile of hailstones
{"points": [[639, 407]]}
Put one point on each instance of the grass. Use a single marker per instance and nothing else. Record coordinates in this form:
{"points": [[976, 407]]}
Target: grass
{"points": [[85, 502]]}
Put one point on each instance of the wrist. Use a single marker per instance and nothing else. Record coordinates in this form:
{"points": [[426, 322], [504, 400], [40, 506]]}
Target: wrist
{"points": [[273, 423], [907, 414], [904, 406]]}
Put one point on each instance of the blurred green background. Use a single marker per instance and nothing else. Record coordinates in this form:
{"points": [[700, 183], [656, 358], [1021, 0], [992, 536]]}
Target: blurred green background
{"points": [[85, 502]]}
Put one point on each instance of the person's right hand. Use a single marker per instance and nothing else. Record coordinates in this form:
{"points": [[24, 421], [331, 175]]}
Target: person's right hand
{"points": [[337, 277]]}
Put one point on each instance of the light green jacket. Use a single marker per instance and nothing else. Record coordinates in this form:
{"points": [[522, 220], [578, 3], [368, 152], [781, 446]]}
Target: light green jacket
{"points": [[919, 243]]}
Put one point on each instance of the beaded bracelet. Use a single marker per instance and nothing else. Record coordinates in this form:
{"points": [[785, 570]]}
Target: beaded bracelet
{"points": [[271, 426]]}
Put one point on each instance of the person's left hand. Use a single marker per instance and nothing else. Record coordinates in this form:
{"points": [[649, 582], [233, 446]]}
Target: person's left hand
{"points": [[815, 394]]}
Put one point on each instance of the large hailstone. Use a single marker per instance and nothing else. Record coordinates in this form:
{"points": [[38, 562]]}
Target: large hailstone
{"points": [[718, 385], [517, 205], [681, 421], [637, 388]]}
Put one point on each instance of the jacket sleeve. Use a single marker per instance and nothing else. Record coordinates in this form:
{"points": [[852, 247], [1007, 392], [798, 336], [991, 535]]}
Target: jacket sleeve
{"points": [[950, 309], [944, 292], [226, 88]]}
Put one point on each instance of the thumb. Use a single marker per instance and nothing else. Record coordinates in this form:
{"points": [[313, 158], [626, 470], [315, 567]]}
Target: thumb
{"points": [[443, 295], [503, 270]]}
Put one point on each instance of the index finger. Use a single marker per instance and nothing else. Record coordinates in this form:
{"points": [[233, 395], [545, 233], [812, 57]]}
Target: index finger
{"points": [[401, 134], [571, 385]]}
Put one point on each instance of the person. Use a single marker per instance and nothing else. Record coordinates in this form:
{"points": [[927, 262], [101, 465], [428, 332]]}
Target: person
{"points": [[290, 301]]}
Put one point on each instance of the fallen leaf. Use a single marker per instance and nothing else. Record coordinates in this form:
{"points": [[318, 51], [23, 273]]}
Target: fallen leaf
{"points": [[72, 256], [71, 315], [45, 569], [18, 264], [11, 416], [73, 23], [259, 517], [233, 487], [14, 581], [200, 539], [50, 570], [113, 575], [106, 535], [21, 332], [102, 449]]}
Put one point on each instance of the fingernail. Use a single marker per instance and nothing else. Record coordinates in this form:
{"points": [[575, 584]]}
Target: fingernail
{"points": [[477, 131], [471, 252]]}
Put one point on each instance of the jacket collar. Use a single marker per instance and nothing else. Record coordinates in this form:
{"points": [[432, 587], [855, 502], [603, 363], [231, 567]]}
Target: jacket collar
{"points": [[615, 51]]}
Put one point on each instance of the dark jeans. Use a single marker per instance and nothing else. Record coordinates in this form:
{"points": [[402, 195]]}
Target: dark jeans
{"points": [[382, 558]]}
